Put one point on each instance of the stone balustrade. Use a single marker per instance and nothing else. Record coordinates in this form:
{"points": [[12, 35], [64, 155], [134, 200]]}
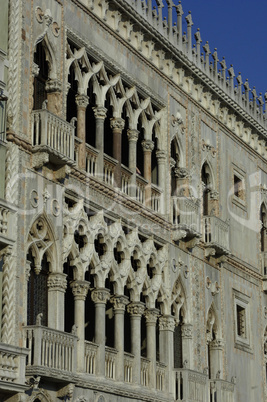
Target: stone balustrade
{"points": [[221, 391], [12, 368], [155, 198], [190, 386], [186, 214], [140, 189], [51, 349], [128, 367], [90, 352], [216, 234], [160, 376], [125, 180], [52, 134], [109, 167], [91, 160], [110, 363], [145, 371], [7, 216]]}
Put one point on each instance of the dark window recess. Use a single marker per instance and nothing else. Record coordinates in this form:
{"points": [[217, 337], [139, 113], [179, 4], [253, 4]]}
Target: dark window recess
{"points": [[40, 81]]}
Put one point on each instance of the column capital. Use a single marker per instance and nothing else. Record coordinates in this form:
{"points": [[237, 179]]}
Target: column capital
{"points": [[187, 331], [119, 302], [132, 135], [82, 101], [53, 85], [216, 344], [167, 323], [148, 145], [79, 289], [136, 309], [100, 295], [151, 315], [57, 281], [161, 156], [117, 123], [100, 112]]}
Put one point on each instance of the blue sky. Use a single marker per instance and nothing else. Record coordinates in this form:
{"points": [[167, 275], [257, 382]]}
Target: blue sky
{"points": [[238, 29]]}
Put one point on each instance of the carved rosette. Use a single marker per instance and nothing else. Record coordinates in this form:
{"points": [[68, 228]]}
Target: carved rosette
{"points": [[117, 124], [57, 281], [100, 295], [132, 135], [100, 112], [80, 289], [187, 331], [136, 309], [82, 101], [119, 302], [148, 145], [167, 323], [151, 316]]}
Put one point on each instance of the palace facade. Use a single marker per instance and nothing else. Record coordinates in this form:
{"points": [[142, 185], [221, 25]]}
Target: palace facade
{"points": [[133, 209]]}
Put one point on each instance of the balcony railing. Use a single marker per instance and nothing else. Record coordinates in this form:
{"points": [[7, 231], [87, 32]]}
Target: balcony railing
{"points": [[125, 180], [160, 376], [221, 391], [190, 386], [140, 188], [216, 234], [12, 368], [109, 167], [51, 349], [144, 371], [7, 215], [128, 367], [91, 160], [90, 352], [52, 134], [110, 363], [186, 214], [155, 198]]}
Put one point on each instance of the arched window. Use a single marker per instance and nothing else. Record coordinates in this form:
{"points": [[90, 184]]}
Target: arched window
{"points": [[154, 162], [175, 163], [73, 90], [40, 94], [207, 184], [263, 218], [69, 299]]}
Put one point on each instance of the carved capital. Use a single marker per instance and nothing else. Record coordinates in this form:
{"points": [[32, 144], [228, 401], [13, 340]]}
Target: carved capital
{"points": [[66, 392], [216, 344], [100, 295], [117, 124], [187, 331], [136, 309], [151, 315], [53, 85], [82, 101], [161, 156], [132, 135], [57, 281], [181, 173], [148, 145], [119, 302], [100, 112], [214, 195], [80, 289], [167, 323]]}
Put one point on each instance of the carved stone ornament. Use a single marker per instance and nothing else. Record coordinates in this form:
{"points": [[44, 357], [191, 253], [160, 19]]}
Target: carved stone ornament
{"points": [[214, 195], [117, 124], [181, 173], [100, 295], [265, 312], [161, 156], [82, 101], [216, 344], [55, 207], [34, 199], [208, 283], [53, 85], [132, 135], [177, 119], [187, 331], [178, 234], [100, 112], [151, 315], [119, 302], [167, 323], [66, 392], [148, 145], [35, 69], [136, 308], [57, 281], [80, 289], [209, 148]]}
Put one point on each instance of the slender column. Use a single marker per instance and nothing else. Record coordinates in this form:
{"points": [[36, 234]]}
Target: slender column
{"points": [[79, 290], [148, 147], [187, 339], [8, 293], [119, 303], [166, 328], [132, 139], [54, 101], [161, 159], [151, 320], [216, 358], [100, 297], [82, 103], [100, 113], [57, 285], [117, 125], [136, 309]]}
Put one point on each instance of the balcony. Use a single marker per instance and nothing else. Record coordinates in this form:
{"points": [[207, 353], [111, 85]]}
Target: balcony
{"points": [[54, 137], [7, 216], [12, 369], [52, 353], [215, 236], [186, 218], [190, 386], [221, 391]]}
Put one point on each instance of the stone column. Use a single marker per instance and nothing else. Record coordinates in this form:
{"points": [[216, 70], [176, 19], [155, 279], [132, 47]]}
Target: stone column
{"points": [[151, 320], [166, 330], [136, 310], [100, 297], [161, 159], [100, 113], [119, 303], [57, 285], [8, 293], [216, 358], [82, 103], [54, 99], [187, 345], [117, 125], [79, 290], [148, 147], [132, 139]]}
